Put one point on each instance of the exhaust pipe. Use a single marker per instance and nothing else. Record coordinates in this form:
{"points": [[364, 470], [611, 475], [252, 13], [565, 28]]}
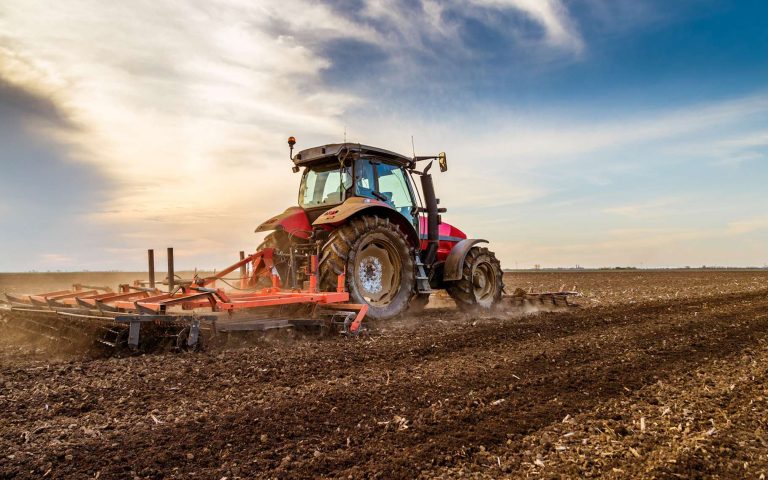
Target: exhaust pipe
{"points": [[433, 216]]}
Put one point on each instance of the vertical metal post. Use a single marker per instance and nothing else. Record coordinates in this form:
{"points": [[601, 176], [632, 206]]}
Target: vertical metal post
{"points": [[151, 259], [243, 271], [313, 274], [171, 274]]}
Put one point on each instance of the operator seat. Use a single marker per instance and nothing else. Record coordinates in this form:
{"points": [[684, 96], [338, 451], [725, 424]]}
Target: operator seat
{"points": [[333, 197]]}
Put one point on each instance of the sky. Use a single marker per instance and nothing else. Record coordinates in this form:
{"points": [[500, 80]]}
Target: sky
{"points": [[578, 132]]}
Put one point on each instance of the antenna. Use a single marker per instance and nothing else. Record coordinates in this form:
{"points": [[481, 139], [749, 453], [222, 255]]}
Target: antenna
{"points": [[413, 146], [345, 134]]}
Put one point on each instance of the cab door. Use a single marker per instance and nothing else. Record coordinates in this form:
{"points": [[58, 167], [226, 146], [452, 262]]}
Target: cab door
{"points": [[386, 182]]}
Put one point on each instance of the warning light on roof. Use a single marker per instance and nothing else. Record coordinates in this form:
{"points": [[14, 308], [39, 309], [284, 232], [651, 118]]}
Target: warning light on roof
{"points": [[291, 143]]}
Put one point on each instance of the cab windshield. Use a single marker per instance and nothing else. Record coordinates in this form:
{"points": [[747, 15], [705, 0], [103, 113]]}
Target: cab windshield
{"points": [[324, 185]]}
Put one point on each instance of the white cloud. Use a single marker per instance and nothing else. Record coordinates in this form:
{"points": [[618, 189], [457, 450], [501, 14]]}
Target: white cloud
{"points": [[183, 105], [552, 15], [730, 149], [515, 142], [740, 149], [750, 140]]}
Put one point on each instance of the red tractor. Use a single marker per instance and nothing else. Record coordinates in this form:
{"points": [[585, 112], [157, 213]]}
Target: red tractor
{"points": [[360, 213], [363, 242]]}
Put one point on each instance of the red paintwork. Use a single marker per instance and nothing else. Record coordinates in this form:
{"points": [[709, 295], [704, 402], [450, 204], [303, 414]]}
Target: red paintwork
{"points": [[449, 236], [293, 220]]}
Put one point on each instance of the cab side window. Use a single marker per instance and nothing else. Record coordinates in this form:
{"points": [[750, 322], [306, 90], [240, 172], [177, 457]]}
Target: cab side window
{"points": [[392, 184], [388, 181], [365, 181]]}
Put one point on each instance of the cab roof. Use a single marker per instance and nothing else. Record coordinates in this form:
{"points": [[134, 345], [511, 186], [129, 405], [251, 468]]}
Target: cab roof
{"points": [[334, 150]]}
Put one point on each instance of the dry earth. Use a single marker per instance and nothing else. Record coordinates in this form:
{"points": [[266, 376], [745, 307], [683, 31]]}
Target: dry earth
{"points": [[661, 375]]}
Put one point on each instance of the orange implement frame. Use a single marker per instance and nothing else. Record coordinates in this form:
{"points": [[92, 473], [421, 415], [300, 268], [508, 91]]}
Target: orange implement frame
{"points": [[198, 296], [188, 304]]}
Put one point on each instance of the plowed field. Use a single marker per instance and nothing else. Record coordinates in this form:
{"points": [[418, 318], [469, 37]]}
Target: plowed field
{"points": [[658, 375]]}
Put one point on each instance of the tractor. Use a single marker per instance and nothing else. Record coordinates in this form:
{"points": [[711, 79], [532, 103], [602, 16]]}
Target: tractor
{"points": [[363, 243], [360, 213]]}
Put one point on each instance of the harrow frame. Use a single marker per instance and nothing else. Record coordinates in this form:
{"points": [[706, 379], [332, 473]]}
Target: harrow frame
{"points": [[187, 307]]}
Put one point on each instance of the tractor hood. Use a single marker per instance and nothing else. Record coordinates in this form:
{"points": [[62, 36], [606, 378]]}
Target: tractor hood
{"points": [[293, 221]]}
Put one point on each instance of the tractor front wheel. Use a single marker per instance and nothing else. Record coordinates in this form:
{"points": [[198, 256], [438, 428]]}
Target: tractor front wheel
{"points": [[377, 260], [481, 281]]}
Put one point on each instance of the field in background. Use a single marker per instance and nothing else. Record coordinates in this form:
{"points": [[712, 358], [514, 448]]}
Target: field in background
{"points": [[597, 287]]}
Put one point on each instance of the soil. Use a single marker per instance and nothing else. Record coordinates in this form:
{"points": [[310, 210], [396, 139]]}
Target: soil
{"points": [[658, 375]]}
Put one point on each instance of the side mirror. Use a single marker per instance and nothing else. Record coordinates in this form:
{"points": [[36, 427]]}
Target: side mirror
{"points": [[443, 162]]}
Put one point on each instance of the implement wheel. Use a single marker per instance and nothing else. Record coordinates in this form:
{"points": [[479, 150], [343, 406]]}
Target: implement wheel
{"points": [[481, 281], [378, 263]]}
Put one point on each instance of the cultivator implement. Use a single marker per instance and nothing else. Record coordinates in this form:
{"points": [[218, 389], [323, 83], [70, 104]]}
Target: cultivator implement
{"points": [[139, 316], [530, 301]]}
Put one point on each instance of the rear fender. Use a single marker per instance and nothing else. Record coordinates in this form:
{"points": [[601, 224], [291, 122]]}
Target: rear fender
{"points": [[452, 269], [293, 221], [357, 206]]}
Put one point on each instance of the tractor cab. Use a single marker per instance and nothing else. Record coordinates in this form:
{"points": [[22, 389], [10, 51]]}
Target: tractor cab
{"points": [[335, 173]]}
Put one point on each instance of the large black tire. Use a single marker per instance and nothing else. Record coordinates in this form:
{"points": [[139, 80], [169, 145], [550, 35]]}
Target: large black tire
{"points": [[481, 281], [378, 262]]}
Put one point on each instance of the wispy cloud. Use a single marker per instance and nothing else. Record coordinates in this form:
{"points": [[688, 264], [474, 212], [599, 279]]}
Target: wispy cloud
{"points": [[657, 207], [569, 136], [740, 149], [526, 142], [554, 18]]}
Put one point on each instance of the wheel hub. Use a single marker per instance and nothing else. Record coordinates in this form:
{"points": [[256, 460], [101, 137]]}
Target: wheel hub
{"points": [[484, 282], [370, 272], [377, 272]]}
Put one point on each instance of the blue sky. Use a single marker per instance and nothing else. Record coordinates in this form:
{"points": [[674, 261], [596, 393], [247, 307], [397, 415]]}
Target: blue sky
{"points": [[588, 132]]}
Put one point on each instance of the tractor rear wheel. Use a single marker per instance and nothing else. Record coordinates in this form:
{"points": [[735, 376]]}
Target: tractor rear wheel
{"points": [[481, 281], [378, 263]]}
